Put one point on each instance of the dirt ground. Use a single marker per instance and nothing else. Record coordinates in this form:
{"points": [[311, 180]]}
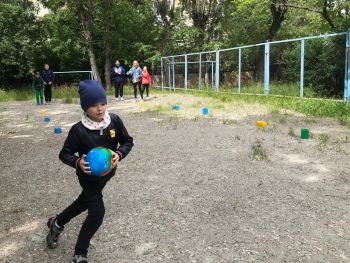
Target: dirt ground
{"points": [[191, 189]]}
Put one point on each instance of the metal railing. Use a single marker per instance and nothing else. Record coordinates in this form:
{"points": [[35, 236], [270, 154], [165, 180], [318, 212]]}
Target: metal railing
{"points": [[91, 76], [213, 65]]}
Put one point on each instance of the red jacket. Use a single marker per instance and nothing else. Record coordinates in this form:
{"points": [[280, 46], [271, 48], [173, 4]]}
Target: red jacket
{"points": [[146, 77]]}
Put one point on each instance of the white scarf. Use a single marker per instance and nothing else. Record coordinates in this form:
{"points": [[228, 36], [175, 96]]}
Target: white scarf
{"points": [[94, 125], [118, 70]]}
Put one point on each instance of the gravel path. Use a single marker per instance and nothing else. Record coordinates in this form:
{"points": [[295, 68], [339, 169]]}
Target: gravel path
{"points": [[188, 192]]}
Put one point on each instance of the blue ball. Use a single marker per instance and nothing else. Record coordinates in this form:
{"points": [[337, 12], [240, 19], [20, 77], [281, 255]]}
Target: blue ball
{"points": [[100, 161]]}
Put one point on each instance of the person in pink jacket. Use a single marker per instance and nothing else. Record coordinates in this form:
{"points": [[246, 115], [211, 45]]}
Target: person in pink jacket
{"points": [[146, 81]]}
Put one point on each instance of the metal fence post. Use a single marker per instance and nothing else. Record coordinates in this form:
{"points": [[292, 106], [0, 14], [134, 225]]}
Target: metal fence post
{"points": [[302, 53], [217, 70], [186, 72], [267, 68], [161, 72], [173, 68], [347, 68], [206, 78], [239, 69], [200, 71], [212, 75], [169, 75]]}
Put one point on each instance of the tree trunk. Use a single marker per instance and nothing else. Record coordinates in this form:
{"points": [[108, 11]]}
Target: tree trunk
{"points": [[278, 16], [326, 16], [166, 11], [107, 7], [85, 16]]}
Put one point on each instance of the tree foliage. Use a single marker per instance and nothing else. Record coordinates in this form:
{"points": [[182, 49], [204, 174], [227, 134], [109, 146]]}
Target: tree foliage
{"points": [[78, 34]]}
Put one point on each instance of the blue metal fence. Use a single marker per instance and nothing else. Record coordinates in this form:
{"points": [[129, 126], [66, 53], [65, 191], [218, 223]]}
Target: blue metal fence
{"points": [[202, 59]]}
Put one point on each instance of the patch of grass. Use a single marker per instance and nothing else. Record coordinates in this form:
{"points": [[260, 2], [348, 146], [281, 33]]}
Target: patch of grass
{"points": [[343, 120], [68, 100], [343, 139], [291, 132], [258, 152], [16, 95], [217, 106], [65, 92], [197, 104], [196, 117], [275, 112], [276, 88], [174, 121], [229, 122], [158, 108], [311, 107], [310, 121], [323, 139], [280, 118]]}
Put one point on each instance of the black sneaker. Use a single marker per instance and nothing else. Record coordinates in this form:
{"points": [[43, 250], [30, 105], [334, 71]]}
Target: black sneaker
{"points": [[79, 259], [54, 233]]}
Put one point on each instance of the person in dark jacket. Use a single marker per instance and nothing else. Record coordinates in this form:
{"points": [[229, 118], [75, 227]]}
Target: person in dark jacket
{"points": [[118, 73], [38, 86], [97, 128], [48, 77]]}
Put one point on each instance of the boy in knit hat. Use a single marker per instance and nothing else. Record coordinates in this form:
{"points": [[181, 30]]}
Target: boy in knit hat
{"points": [[97, 128]]}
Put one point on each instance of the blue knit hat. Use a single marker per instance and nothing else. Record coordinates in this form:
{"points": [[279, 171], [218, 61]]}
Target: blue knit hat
{"points": [[91, 92]]}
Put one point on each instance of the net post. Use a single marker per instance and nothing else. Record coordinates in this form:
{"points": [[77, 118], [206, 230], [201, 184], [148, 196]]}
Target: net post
{"points": [[217, 70], [161, 72], [267, 68], [173, 68], [169, 74], [200, 71], [186, 69], [347, 68], [302, 53], [239, 69]]}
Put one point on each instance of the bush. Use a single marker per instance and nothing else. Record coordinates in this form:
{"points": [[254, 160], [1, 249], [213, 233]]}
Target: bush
{"points": [[324, 66]]}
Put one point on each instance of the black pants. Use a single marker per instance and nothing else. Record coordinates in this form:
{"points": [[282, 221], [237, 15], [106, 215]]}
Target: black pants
{"points": [[118, 89], [90, 199], [48, 92], [146, 86], [135, 85]]}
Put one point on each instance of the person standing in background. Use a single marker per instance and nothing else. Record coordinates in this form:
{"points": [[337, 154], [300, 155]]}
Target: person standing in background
{"points": [[48, 77], [136, 75], [37, 86], [146, 81], [118, 73]]}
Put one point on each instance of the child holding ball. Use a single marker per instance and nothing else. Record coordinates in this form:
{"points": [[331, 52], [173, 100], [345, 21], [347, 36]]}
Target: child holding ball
{"points": [[97, 128]]}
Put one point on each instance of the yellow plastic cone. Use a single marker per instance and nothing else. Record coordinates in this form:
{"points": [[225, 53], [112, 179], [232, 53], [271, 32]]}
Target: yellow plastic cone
{"points": [[261, 123]]}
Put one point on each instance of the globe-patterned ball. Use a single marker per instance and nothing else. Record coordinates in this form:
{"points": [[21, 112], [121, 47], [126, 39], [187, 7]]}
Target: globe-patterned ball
{"points": [[100, 161]]}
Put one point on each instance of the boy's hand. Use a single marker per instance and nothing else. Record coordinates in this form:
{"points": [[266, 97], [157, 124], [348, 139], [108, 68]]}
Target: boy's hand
{"points": [[84, 166], [115, 159]]}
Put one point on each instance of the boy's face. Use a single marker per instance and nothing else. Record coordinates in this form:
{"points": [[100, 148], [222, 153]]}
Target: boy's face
{"points": [[135, 64], [117, 63], [97, 112], [46, 66]]}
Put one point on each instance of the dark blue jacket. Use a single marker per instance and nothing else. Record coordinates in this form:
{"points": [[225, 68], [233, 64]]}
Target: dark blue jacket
{"points": [[47, 75], [118, 77]]}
